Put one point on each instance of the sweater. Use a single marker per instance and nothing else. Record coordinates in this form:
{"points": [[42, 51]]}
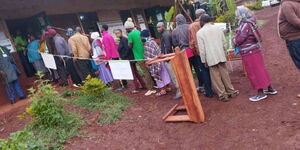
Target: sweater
{"points": [[289, 20]]}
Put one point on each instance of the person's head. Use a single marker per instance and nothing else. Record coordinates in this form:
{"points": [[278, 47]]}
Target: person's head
{"points": [[51, 32], [204, 19], [118, 33], [31, 37], [243, 13], [160, 27], [180, 19], [104, 28], [70, 32], [95, 35], [145, 35], [48, 27], [129, 25], [78, 30], [18, 32], [199, 13]]}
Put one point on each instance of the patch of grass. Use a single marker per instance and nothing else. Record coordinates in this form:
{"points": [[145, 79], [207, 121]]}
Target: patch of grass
{"points": [[111, 104]]}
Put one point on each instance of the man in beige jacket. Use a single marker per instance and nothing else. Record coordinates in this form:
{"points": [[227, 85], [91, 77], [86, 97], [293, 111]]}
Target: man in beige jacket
{"points": [[80, 44], [211, 42]]}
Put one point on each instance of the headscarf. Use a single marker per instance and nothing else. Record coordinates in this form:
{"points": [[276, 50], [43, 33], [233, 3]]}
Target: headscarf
{"points": [[95, 35], [51, 32], [244, 14], [129, 24], [70, 32], [180, 19]]}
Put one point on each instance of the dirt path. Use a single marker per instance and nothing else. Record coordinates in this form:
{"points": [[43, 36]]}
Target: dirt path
{"points": [[273, 124]]}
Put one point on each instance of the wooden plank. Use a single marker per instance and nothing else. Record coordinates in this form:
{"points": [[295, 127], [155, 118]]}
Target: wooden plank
{"points": [[182, 107], [178, 118], [172, 111], [187, 86]]}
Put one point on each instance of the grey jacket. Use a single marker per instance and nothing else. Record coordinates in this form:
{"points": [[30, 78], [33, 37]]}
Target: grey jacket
{"points": [[180, 35], [8, 66], [61, 45], [166, 42]]}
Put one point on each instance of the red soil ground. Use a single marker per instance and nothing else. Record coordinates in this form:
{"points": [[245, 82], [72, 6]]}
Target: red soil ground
{"points": [[272, 124]]}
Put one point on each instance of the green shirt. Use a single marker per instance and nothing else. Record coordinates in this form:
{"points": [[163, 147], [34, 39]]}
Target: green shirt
{"points": [[20, 43], [134, 38]]}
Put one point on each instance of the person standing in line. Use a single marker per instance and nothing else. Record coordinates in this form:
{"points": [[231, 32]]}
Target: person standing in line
{"points": [[99, 55], [109, 44], [34, 56], [180, 38], [62, 49], [135, 42], [158, 70], [166, 48], [126, 54], [289, 28], [247, 40], [212, 43], [9, 75], [204, 72], [81, 49]]}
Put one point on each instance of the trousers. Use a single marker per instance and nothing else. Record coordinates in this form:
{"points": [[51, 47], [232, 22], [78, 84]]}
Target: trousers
{"points": [[13, 87], [221, 82], [61, 69], [294, 50], [72, 71], [172, 76], [195, 62], [205, 78], [148, 78]]}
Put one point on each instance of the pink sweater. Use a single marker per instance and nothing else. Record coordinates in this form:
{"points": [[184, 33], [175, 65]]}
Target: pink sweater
{"points": [[110, 46]]}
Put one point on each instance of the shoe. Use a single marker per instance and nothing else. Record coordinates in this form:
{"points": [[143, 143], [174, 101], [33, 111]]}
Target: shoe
{"points": [[134, 92], [273, 92], [13, 101], [234, 94], [224, 99], [119, 89], [150, 92], [209, 96], [200, 89], [75, 85], [24, 97], [258, 98]]}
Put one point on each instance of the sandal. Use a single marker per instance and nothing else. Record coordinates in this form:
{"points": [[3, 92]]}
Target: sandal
{"points": [[169, 89], [234, 94], [161, 93]]}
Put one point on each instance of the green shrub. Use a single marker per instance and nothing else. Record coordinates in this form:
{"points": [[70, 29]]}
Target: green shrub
{"points": [[93, 86], [229, 16], [21, 140], [256, 6]]}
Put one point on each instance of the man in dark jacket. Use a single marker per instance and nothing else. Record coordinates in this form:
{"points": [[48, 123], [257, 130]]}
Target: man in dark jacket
{"points": [[289, 28], [126, 53], [9, 74], [166, 48]]}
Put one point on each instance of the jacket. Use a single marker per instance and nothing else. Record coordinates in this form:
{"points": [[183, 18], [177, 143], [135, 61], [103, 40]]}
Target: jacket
{"points": [[61, 45], [211, 42], [33, 51], [180, 35], [246, 40], [8, 66], [80, 45], [110, 45], [166, 42], [193, 29], [289, 20], [124, 50]]}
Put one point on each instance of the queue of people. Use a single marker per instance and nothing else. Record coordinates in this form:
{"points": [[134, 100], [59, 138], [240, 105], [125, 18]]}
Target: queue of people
{"points": [[204, 43]]}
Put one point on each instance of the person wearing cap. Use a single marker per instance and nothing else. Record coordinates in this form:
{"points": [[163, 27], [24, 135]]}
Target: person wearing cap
{"points": [[60, 48], [135, 42], [211, 42], [158, 70], [204, 72], [166, 48]]}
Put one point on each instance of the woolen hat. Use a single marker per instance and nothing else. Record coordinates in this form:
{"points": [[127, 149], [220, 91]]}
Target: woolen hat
{"points": [[129, 24]]}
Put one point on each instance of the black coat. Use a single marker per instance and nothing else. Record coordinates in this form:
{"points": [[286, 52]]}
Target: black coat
{"points": [[125, 51]]}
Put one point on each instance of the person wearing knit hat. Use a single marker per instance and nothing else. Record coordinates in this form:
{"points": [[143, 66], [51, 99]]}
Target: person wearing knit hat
{"points": [[129, 24], [158, 70]]}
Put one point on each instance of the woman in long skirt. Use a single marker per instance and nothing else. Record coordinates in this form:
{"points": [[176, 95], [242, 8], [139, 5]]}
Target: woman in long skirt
{"points": [[247, 41]]}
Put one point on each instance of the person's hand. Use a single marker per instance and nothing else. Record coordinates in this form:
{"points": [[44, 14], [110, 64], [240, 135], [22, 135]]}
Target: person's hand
{"points": [[205, 65]]}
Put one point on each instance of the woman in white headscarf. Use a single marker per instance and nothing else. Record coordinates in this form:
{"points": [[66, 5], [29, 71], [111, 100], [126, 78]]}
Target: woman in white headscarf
{"points": [[99, 56], [247, 40]]}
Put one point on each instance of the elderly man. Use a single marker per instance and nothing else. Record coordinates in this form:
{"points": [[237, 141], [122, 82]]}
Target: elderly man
{"points": [[180, 38], [166, 48], [212, 43], [289, 28], [81, 48], [204, 72]]}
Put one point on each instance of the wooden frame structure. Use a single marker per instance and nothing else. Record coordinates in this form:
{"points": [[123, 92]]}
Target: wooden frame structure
{"points": [[192, 104]]}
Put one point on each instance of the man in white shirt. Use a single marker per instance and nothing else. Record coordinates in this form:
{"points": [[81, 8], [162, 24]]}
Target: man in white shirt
{"points": [[211, 42]]}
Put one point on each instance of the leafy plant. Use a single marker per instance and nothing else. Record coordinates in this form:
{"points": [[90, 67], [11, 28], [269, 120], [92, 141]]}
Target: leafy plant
{"points": [[21, 140], [93, 86]]}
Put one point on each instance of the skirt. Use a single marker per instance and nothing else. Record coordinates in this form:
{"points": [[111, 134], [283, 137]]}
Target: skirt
{"points": [[256, 71], [39, 66], [105, 74], [164, 76]]}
